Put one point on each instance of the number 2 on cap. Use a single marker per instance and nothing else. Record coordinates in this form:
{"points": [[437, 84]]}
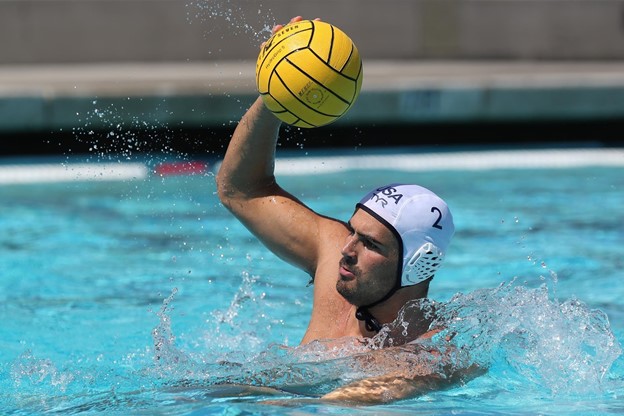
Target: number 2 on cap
{"points": [[436, 224]]}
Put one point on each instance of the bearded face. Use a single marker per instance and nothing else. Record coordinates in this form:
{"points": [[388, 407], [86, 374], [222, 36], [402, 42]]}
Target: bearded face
{"points": [[368, 267]]}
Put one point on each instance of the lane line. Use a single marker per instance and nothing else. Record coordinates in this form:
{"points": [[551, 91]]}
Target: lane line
{"points": [[310, 164], [72, 172], [482, 160]]}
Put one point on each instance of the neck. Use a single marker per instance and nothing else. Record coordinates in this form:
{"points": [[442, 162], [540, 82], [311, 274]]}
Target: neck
{"points": [[387, 311]]}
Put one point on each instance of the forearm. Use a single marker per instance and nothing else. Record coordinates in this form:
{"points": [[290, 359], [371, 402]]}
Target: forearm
{"points": [[250, 158], [385, 389], [411, 370]]}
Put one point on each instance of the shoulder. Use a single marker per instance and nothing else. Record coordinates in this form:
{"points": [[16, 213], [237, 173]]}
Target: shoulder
{"points": [[333, 230]]}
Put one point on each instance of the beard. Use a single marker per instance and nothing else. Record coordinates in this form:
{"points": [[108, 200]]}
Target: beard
{"points": [[356, 291], [349, 293], [348, 289]]}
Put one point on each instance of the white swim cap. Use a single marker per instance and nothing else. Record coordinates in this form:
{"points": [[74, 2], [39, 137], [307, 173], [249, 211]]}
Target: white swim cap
{"points": [[421, 222]]}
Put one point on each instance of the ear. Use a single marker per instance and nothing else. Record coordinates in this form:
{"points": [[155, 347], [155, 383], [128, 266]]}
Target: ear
{"points": [[422, 265]]}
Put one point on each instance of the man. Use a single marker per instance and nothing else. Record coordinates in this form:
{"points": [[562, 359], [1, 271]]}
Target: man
{"points": [[364, 271]]}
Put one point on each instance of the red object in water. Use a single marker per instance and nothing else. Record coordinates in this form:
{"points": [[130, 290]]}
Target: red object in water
{"points": [[181, 168]]}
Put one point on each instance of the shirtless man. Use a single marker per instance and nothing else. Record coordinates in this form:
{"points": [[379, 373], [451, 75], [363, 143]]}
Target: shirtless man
{"points": [[364, 271]]}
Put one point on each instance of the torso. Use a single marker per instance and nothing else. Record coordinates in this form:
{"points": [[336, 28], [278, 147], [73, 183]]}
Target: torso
{"points": [[332, 316]]}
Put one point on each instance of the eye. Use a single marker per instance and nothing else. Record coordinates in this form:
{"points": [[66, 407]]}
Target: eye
{"points": [[369, 244]]}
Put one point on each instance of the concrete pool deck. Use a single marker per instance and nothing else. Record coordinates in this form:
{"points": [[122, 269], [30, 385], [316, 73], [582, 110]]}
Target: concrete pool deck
{"points": [[46, 98]]}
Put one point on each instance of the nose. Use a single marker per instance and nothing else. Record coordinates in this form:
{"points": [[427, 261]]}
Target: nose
{"points": [[348, 251]]}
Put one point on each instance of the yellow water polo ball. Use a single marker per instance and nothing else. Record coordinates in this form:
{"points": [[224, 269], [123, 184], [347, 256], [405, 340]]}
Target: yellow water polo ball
{"points": [[309, 73]]}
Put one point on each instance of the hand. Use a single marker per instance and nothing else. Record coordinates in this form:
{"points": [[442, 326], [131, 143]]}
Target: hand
{"points": [[295, 19], [277, 28]]}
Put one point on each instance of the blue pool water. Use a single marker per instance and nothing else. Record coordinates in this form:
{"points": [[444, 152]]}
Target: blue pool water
{"points": [[146, 296]]}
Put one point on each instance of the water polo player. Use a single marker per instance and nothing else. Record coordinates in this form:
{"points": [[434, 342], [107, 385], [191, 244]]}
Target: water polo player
{"points": [[364, 271]]}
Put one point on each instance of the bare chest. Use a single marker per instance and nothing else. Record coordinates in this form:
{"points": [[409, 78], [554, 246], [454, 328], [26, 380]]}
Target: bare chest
{"points": [[332, 317]]}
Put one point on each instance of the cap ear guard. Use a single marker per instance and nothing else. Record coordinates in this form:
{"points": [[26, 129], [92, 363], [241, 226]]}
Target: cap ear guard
{"points": [[422, 265]]}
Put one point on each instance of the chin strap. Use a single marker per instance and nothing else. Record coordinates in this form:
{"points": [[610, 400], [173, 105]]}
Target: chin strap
{"points": [[372, 324], [362, 313]]}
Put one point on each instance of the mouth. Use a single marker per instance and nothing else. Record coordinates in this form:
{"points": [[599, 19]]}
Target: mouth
{"points": [[345, 272]]}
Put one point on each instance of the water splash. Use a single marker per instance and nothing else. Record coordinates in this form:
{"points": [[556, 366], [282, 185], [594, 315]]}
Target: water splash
{"points": [[245, 293], [564, 347], [168, 358], [29, 370], [116, 130], [518, 333], [257, 27], [227, 347], [531, 344]]}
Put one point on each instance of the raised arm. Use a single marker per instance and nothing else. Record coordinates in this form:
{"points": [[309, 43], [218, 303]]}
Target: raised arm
{"points": [[247, 169], [246, 186]]}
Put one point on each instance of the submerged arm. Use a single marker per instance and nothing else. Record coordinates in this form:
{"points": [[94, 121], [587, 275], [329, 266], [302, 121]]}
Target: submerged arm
{"points": [[384, 389], [415, 371]]}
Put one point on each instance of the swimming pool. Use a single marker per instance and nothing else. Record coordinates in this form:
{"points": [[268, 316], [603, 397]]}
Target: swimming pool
{"points": [[145, 296]]}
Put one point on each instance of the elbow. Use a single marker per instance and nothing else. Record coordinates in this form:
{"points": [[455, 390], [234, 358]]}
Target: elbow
{"points": [[224, 190], [231, 194], [234, 190]]}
